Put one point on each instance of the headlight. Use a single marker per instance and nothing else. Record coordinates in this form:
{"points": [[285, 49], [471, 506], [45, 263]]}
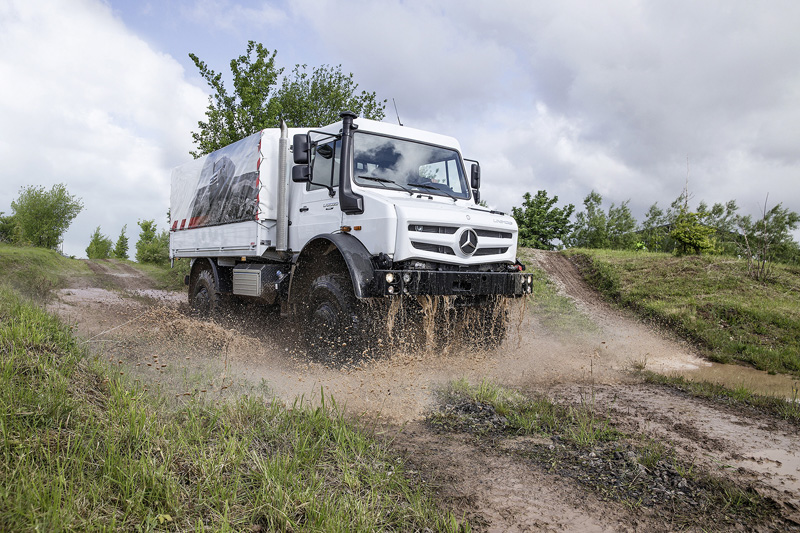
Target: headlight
{"points": [[389, 277], [406, 277]]}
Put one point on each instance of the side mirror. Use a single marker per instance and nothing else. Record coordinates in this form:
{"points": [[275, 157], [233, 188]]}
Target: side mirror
{"points": [[475, 178], [301, 146], [477, 195], [301, 173]]}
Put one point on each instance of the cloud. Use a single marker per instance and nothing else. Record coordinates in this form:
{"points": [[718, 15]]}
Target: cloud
{"points": [[94, 107], [232, 17], [620, 97]]}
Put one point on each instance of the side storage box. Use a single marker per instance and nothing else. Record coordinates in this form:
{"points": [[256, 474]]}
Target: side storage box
{"points": [[256, 280]]}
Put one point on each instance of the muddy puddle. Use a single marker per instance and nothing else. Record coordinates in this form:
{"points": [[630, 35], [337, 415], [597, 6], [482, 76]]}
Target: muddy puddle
{"points": [[736, 376]]}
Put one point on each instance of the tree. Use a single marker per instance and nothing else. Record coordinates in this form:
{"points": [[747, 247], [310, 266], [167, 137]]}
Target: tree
{"points": [[620, 227], [121, 247], [44, 216], [318, 99], [7, 227], [590, 230], [654, 231], [99, 246], [540, 223], [256, 102], [768, 239], [721, 217], [152, 247], [691, 234]]}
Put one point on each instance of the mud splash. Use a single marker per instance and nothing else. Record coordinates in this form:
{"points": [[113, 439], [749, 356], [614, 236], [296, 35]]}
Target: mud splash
{"points": [[442, 324]]}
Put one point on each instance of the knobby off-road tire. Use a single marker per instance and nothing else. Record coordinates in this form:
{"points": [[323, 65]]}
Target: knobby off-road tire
{"points": [[204, 297], [335, 323]]}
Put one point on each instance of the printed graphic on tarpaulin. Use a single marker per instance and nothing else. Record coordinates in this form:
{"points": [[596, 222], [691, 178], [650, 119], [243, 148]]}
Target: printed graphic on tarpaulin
{"points": [[228, 186]]}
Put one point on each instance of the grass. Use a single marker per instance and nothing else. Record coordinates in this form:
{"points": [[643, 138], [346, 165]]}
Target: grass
{"points": [[36, 272], [582, 424], [82, 448], [166, 277], [710, 300]]}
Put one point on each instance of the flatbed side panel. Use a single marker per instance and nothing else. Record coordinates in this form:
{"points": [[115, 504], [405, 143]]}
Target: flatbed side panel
{"points": [[219, 188], [238, 239]]}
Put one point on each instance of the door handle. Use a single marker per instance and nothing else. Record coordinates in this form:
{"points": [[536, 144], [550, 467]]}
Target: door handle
{"points": [[303, 209]]}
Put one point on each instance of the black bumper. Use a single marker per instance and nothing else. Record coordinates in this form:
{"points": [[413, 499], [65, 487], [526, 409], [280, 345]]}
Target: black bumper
{"points": [[444, 283]]}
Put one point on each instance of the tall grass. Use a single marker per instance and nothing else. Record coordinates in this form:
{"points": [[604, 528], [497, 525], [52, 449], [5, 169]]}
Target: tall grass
{"points": [[82, 449], [710, 300]]}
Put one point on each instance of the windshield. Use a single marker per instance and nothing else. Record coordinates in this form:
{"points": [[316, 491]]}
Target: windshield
{"points": [[385, 162]]}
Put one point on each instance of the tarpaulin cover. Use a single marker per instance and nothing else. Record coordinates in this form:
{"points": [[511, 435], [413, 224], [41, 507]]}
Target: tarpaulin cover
{"points": [[220, 188]]}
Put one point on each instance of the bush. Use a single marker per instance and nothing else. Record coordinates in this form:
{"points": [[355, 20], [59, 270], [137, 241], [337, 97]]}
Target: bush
{"points": [[152, 247], [42, 217], [99, 246]]}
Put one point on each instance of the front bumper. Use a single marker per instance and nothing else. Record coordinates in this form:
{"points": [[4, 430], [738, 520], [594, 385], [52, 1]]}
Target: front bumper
{"points": [[449, 283]]}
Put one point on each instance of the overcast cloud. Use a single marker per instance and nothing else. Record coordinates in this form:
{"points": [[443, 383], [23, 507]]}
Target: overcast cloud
{"points": [[622, 97]]}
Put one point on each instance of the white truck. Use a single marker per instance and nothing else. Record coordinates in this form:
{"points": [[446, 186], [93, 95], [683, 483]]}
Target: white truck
{"points": [[344, 226]]}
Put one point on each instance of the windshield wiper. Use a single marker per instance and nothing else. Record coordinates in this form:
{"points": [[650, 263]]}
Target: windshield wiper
{"points": [[433, 188], [384, 181]]}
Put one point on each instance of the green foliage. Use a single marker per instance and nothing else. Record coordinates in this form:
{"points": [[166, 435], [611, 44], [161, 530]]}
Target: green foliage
{"points": [[152, 247], [99, 246], [594, 228], [318, 99], [590, 225], [257, 102], [121, 247], [7, 227], [721, 217], [621, 227], [691, 234], [541, 224], [42, 217], [768, 239], [654, 231]]}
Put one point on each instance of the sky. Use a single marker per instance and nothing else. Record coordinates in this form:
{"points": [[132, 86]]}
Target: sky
{"points": [[632, 99]]}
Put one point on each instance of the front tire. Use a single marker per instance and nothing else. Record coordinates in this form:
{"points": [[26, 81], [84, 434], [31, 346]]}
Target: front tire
{"points": [[333, 320]]}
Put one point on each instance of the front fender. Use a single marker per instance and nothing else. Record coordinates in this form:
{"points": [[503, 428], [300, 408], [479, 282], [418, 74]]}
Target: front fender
{"points": [[354, 254]]}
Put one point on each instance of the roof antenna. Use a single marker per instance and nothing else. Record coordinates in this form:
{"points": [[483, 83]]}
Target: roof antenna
{"points": [[396, 113]]}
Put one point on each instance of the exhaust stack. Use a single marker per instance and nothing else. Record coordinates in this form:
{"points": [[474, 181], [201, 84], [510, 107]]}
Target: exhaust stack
{"points": [[282, 225]]}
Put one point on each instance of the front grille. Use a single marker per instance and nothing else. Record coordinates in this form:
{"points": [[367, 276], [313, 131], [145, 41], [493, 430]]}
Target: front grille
{"points": [[490, 251], [422, 228], [435, 248], [493, 234]]}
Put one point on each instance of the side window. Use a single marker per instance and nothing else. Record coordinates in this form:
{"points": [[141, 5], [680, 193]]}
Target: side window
{"points": [[454, 176], [324, 166]]}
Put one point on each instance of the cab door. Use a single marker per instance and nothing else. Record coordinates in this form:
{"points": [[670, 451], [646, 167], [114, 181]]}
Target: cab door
{"points": [[313, 210]]}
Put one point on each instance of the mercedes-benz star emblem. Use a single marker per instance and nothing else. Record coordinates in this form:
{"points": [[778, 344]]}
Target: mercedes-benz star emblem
{"points": [[468, 242]]}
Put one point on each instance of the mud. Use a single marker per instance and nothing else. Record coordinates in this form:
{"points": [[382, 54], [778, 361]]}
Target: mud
{"points": [[151, 336]]}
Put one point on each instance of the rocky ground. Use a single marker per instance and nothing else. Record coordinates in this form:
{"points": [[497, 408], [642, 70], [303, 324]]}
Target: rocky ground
{"points": [[497, 479]]}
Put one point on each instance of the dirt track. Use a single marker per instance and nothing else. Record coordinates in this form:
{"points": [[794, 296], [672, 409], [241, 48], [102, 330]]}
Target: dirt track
{"points": [[148, 334]]}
